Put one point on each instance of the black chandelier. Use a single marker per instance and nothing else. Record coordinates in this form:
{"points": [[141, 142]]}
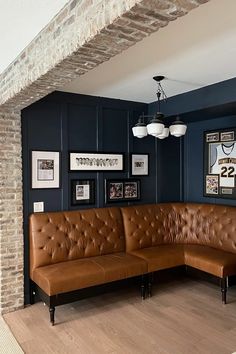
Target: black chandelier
{"points": [[156, 127]]}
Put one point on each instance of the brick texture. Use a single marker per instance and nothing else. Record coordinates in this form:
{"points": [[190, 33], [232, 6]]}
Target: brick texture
{"points": [[83, 35], [11, 234]]}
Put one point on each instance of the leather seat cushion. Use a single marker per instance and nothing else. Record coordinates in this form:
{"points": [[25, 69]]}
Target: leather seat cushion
{"points": [[210, 260], [82, 273], [161, 257]]}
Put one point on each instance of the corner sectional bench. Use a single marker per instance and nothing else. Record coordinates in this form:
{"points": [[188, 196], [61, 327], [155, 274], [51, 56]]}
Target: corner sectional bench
{"points": [[74, 250]]}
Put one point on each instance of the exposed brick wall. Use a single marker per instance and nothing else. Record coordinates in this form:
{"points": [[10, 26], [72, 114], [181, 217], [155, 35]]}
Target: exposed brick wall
{"points": [[11, 234], [83, 35]]}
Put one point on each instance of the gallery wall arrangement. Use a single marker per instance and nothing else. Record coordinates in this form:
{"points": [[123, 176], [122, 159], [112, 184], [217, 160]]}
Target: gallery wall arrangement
{"points": [[45, 173]]}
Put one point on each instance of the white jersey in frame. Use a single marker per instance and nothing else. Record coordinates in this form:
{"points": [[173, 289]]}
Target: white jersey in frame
{"points": [[225, 164]]}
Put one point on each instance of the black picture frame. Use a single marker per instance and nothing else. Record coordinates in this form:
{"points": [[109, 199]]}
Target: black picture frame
{"points": [[80, 161], [139, 158], [82, 191], [220, 163], [120, 190]]}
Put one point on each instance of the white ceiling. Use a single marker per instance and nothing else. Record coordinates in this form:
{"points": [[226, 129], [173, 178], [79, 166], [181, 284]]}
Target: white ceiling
{"points": [[194, 51], [20, 22]]}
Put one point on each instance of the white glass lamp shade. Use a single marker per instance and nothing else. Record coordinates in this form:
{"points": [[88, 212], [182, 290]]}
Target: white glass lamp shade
{"points": [[139, 130], [164, 134], [178, 128], [155, 127]]}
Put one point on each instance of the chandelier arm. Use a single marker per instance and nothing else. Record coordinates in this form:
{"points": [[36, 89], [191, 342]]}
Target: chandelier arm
{"points": [[163, 93], [158, 99]]}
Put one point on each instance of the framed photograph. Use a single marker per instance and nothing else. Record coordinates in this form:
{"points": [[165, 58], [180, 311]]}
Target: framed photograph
{"points": [[220, 163], [82, 191], [82, 161], [139, 164], [120, 190], [210, 137], [45, 169], [212, 184]]}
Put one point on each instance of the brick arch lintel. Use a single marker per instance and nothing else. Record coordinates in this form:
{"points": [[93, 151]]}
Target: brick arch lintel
{"points": [[83, 35]]}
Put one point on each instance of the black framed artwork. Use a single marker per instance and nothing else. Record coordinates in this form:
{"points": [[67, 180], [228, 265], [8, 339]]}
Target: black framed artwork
{"points": [[119, 190], [220, 163], [87, 161], [82, 191], [139, 164]]}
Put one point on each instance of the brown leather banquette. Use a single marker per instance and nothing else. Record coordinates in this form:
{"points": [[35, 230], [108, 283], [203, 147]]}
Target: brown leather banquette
{"points": [[167, 235], [74, 250], [79, 249]]}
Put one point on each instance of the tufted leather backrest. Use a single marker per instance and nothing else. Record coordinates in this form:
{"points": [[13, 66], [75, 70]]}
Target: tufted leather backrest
{"points": [[205, 224], [61, 236]]}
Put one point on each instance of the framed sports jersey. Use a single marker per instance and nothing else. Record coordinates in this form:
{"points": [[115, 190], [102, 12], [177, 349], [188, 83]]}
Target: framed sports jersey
{"points": [[220, 163]]}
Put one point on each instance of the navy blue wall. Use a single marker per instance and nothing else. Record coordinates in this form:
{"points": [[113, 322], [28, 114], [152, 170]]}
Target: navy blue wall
{"points": [[170, 166], [181, 160], [64, 122]]}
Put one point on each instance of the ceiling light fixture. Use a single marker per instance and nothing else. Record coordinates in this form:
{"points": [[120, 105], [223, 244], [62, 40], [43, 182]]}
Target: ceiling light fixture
{"points": [[156, 127]]}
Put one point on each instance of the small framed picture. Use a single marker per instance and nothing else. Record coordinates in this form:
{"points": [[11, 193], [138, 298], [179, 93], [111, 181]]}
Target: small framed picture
{"points": [[120, 190], [212, 184], [139, 164], [82, 191], [227, 136], [45, 169], [211, 137]]}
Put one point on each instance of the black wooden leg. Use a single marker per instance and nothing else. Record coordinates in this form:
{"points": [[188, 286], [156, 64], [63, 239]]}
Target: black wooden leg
{"points": [[150, 280], [32, 292], [52, 313], [143, 286], [223, 290]]}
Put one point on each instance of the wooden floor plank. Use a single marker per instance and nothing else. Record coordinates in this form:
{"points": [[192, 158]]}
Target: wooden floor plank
{"points": [[184, 316]]}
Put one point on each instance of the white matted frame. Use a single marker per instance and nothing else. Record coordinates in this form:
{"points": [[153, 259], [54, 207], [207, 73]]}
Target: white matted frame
{"points": [[86, 161], [139, 164], [45, 169]]}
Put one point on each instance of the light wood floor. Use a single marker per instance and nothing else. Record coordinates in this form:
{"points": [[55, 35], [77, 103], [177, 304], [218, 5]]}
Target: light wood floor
{"points": [[184, 316]]}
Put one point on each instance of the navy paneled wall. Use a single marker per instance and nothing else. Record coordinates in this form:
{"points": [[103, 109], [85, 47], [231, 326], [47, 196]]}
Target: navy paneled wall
{"points": [[180, 161], [64, 122]]}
